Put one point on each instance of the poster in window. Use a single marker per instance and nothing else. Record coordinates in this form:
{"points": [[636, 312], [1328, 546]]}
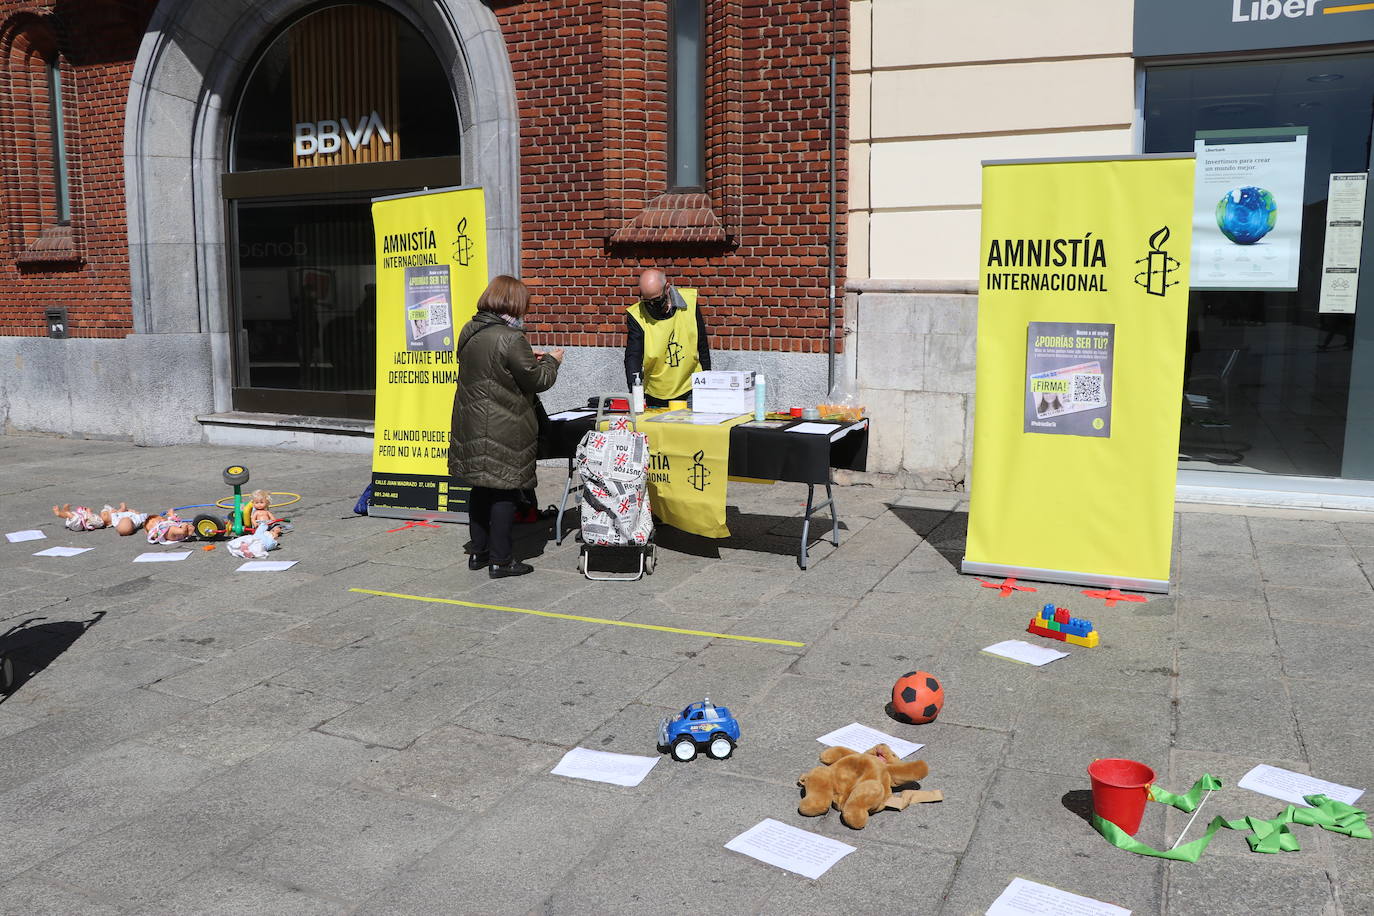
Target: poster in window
{"points": [[1247, 208]]}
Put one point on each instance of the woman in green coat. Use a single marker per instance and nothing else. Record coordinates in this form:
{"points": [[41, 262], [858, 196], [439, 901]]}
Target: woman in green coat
{"points": [[495, 433]]}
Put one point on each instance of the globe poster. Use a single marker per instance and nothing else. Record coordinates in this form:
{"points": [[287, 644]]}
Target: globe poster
{"points": [[1247, 208]]}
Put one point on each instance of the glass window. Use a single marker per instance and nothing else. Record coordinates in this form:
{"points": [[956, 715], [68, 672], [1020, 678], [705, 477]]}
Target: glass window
{"points": [[347, 84], [687, 96], [307, 294], [62, 197], [1267, 375]]}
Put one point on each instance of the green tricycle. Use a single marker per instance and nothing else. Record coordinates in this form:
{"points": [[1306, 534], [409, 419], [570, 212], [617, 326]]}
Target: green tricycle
{"points": [[239, 520]]}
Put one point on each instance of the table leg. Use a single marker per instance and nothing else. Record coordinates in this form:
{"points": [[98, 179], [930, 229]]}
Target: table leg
{"points": [[569, 489], [813, 507]]}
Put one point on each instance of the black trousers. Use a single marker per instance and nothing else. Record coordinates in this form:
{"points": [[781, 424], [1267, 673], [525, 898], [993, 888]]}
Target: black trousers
{"points": [[491, 516]]}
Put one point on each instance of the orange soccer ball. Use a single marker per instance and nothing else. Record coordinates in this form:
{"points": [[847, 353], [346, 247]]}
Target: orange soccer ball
{"points": [[917, 697]]}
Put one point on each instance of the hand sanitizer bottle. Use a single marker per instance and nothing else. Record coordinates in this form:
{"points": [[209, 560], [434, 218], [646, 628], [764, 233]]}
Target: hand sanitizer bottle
{"points": [[760, 394], [637, 394]]}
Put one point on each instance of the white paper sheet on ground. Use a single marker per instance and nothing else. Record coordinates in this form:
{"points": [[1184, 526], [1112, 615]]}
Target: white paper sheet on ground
{"points": [[860, 738], [171, 557], [266, 565], [573, 415], [14, 537], [1024, 897], [603, 766], [1021, 651], [1288, 786], [62, 551], [790, 848]]}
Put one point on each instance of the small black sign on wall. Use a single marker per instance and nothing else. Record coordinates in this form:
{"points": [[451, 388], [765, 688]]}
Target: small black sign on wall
{"points": [[57, 323]]}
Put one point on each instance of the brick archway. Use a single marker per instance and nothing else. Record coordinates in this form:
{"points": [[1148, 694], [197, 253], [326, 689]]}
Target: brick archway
{"points": [[193, 57]]}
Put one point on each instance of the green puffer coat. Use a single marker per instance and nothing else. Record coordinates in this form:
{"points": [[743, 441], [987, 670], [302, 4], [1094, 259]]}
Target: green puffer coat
{"points": [[494, 435]]}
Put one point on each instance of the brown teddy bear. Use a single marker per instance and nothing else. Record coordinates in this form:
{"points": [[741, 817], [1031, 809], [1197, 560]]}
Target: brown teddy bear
{"points": [[856, 784]]}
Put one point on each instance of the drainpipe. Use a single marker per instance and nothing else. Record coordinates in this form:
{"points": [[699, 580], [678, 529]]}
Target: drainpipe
{"points": [[831, 247]]}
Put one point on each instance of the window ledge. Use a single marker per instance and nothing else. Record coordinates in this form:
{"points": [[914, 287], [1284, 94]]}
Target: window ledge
{"points": [[673, 218], [54, 245]]}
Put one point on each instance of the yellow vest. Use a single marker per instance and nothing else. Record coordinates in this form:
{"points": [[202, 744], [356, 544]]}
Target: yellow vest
{"points": [[670, 348]]}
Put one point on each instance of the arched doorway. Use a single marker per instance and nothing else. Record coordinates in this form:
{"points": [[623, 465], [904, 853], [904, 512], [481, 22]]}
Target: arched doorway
{"points": [[216, 159], [346, 103]]}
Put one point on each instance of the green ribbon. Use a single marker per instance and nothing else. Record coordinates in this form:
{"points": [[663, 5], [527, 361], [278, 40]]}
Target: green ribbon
{"points": [[1269, 836]]}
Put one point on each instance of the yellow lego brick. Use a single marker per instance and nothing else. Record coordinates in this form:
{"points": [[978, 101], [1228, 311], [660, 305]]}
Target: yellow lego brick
{"points": [[1090, 641]]}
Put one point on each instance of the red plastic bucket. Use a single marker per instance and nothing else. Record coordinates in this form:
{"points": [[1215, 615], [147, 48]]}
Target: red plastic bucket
{"points": [[1120, 790]]}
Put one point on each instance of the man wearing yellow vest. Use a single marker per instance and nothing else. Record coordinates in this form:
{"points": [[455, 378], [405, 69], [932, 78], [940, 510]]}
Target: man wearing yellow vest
{"points": [[666, 340]]}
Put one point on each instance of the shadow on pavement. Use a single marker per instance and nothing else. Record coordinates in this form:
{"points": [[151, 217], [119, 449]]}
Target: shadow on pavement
{"points": [[28, 647], [942, 529], [1079, 802]]}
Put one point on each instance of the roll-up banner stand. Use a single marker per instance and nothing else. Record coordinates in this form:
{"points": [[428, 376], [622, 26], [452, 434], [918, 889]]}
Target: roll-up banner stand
{"points": [[431, 268], [1082, 312]]}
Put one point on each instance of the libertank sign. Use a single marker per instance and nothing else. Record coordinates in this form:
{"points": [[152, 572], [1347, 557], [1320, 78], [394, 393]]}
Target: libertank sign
{"points": [[1164, 27]]}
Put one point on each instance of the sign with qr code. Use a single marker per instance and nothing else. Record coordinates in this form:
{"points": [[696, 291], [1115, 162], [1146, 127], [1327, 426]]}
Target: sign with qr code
{"points": [[1069, 378]]}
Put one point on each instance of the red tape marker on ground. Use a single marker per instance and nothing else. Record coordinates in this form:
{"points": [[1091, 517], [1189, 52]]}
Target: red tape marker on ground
{"points": [[1007, 586], [417, 523], [1113, 596]]}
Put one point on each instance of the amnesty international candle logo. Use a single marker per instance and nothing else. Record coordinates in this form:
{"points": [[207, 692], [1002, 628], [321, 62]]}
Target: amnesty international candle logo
{"points": [[462, 244], [674, 350], [700, 475], [1158, 266]]}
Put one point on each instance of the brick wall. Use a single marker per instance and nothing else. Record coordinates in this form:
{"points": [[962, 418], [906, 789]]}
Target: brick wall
{"points": [[591, 82], [82, 266]]}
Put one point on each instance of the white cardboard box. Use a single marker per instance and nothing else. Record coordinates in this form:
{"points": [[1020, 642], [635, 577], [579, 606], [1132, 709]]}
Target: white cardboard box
{"points": [[734, 401], [722, 380], [723, 392]]}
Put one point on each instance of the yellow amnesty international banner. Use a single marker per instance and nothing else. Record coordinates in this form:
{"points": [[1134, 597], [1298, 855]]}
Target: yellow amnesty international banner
{"points": [[1082, 312], [431, 268], [688, 469]]}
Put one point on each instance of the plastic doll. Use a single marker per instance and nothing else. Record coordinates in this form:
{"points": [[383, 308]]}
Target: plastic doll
{"points": [[82, 518], [254, 546], [168, 528], [261, 501], [124, 520]]}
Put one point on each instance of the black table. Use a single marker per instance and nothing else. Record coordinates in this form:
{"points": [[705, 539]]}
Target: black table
{"points": [[758, 452]]}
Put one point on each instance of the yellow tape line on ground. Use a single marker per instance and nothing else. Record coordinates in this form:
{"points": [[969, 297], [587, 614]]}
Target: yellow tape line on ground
{"points": [[612, 623]]}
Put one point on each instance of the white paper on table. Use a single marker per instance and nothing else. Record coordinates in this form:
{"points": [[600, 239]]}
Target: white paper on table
{"points": [[712, 419], [573, 415], [790, 848], [1019, 650], [62, 551], [860, 738], [1024, 897], [14, 537], [815, 429], [170, 557], [1288, 786], [603, 766], [266, 565]]}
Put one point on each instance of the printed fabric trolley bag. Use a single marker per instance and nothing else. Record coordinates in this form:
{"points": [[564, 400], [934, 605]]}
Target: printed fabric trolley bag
{"points": [[612, 466]]}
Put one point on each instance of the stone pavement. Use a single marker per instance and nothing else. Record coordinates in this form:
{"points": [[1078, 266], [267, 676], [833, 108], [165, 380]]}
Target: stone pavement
{"points": [[196, 740]]}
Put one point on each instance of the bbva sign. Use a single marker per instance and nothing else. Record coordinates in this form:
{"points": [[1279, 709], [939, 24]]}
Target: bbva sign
{"points": [[328, 136]]}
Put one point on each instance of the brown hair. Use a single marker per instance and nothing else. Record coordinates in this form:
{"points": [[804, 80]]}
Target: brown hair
{"points": [[505, 296]]}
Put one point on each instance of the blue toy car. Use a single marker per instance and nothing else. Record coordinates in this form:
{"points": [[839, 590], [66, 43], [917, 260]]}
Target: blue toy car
{"points": [[700, 726]]}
